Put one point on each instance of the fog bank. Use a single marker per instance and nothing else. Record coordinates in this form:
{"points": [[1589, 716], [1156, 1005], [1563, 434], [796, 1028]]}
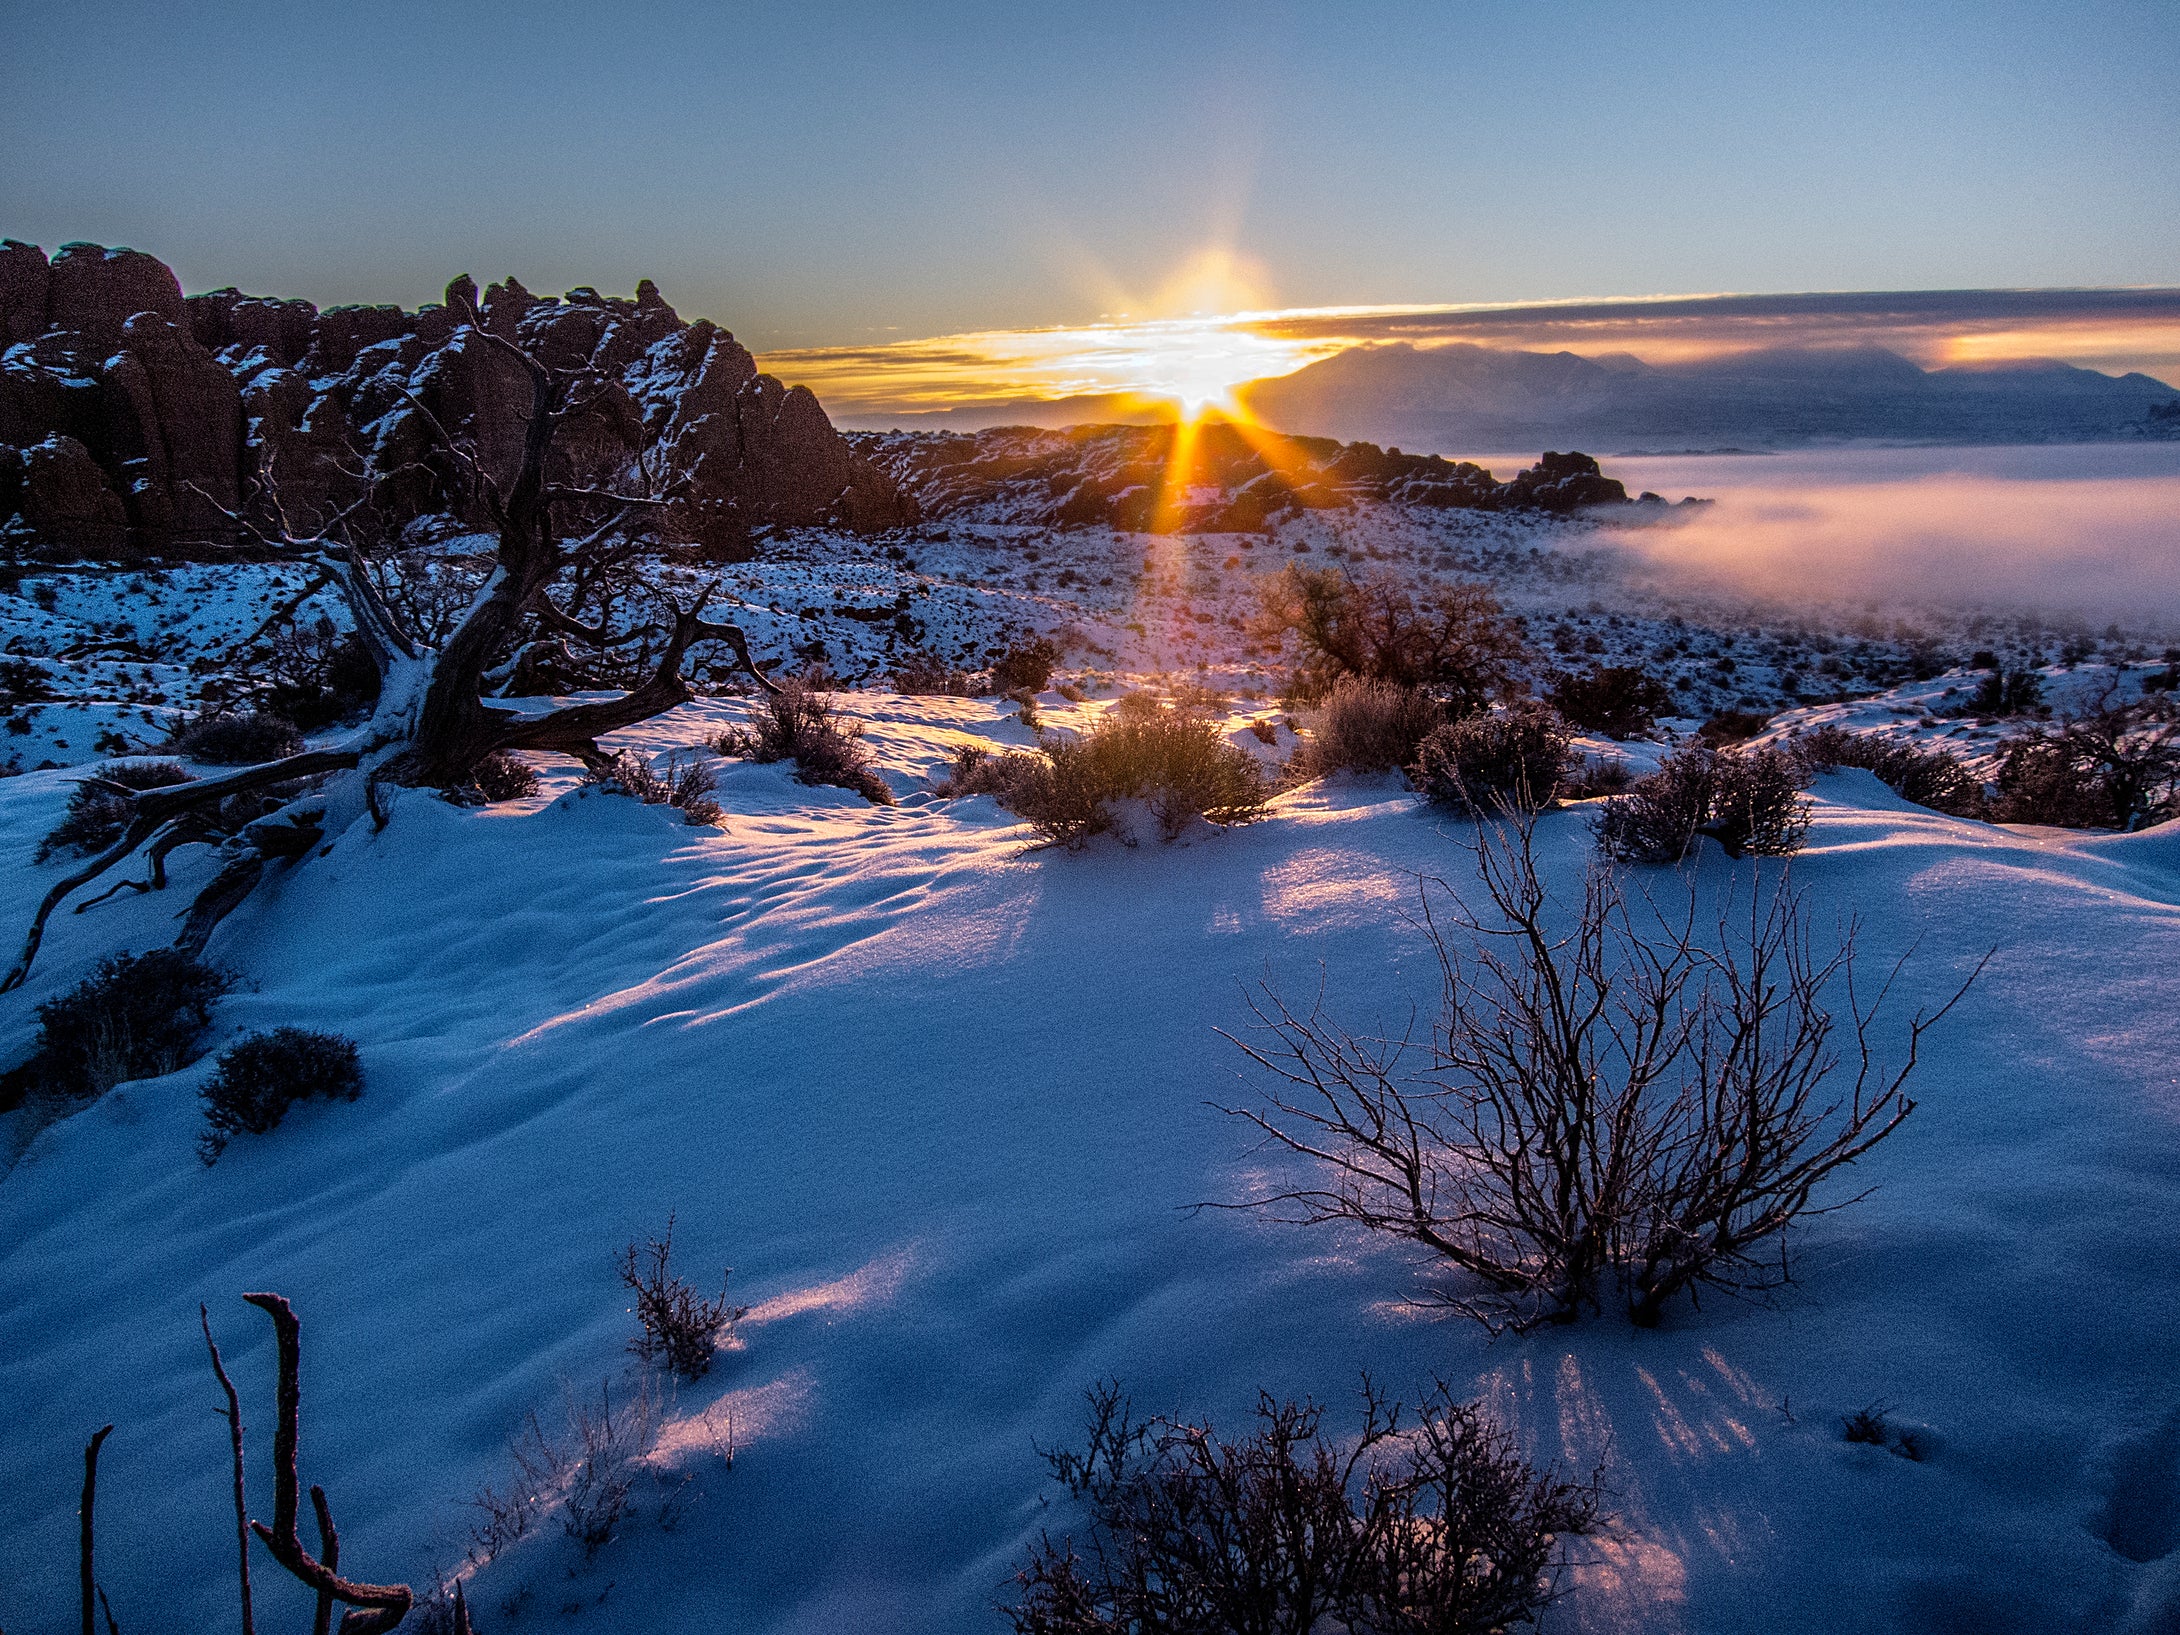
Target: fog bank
{"points": [[2092, 531]]}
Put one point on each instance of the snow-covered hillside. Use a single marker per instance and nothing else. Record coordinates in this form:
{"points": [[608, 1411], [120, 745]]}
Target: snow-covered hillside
{"points": [[940, 1101]]}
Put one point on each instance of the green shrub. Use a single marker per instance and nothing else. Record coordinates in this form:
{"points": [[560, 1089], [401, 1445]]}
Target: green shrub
{"points": [[97, 817], [1515, 761], [260, 1077]]}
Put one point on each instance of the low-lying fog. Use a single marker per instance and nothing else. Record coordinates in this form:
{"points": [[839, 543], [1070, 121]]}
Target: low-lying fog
{"points": [[2087, 530]]}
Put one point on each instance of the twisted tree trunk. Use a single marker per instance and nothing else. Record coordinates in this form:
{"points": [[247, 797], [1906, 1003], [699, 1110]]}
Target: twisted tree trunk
{"points": [[432, 726]]}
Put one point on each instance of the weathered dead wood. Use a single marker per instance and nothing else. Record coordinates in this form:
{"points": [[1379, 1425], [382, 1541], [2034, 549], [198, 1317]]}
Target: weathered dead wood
{"points": [[232, 1413], [374, 1607], [88, 1530]]}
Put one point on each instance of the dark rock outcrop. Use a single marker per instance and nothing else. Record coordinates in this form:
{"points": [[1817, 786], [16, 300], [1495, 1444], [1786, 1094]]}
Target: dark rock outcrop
{"points": [[153, 420], [1234, 482]]}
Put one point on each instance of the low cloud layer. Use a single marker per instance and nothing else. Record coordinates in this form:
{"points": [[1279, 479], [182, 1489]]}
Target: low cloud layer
{"points": [[2087, 532]]}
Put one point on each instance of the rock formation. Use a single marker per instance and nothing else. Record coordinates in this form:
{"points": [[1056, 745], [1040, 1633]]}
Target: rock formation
{"points": [[1124, 477], [132, 417]]}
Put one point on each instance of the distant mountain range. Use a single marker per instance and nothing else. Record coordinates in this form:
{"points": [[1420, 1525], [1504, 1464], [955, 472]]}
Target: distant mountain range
{"points": [[1462, 398]]}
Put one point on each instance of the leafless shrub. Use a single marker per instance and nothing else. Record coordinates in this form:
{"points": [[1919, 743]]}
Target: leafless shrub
{"points": [[923, 673], [1595, 776], [676, 1325], [98, 811], [1750, 801], [1494, 762], [1367, 726], [504, 776], [798, 723], [1614, 1111], [1453, 639], [682, 782], [2109, 766], [590, 1471], [1264, 732], [1932, 777], [1443, 1529]]}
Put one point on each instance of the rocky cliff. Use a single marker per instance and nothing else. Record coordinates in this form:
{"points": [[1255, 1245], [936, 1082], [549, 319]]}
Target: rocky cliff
{"points": [[133, 418], [1219, 481]]}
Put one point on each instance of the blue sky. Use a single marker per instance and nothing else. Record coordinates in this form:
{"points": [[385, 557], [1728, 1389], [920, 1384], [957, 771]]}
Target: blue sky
{"points": [[829, 174]]}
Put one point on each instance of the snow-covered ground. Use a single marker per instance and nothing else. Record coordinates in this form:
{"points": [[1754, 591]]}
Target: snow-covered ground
{"points": [[941, 1103]]}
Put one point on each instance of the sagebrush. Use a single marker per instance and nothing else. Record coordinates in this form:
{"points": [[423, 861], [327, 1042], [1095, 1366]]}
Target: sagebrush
{"points": [[799, 723], [1367, 726], [1435, 1525], [1488, 763], [99, 810], [136, 1016], [1749, 800], [260, 1077], [1179, 764]]}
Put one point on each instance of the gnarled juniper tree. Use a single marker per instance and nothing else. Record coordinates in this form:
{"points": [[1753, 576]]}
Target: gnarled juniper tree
{"points": [[557, 543]]}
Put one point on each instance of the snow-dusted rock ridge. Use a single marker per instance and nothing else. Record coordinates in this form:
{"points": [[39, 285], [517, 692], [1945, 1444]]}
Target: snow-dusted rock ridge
{"points": [[132, 418]]}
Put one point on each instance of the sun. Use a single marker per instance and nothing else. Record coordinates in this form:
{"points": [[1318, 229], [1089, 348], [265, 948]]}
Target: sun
{"points": [[1197, 363]]}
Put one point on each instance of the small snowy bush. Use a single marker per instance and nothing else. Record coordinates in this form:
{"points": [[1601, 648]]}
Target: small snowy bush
{"points": [[238, 740], [1620, 701], [675, 1325], [502, 776], [591, 1471], [1006, 775], [1494, 763], [681, 782], [798, 723], [923, 673], [1932, 777], [259, 1078], [1757, 807], [96, 816], [1750, 801], [2004, 692], [1178, 764], [1026, 666], [1368, 726], [135, 1017], [1436, 1526]]}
